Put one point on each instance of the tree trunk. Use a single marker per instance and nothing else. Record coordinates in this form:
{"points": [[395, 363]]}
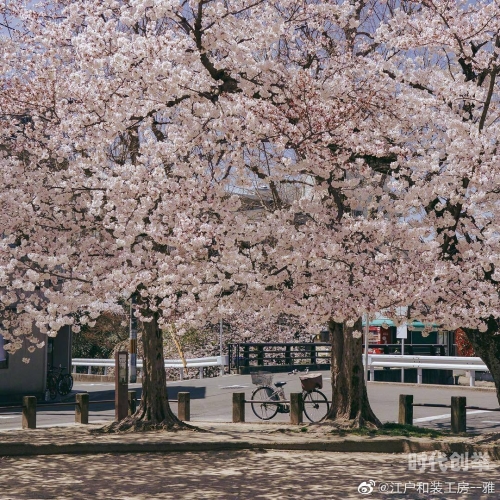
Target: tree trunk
{"points": [[350, 407], [487, 346], [154, 410]]}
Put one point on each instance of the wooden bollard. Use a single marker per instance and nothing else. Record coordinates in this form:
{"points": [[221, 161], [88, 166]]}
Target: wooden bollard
{"points": [[132, 402], [405, 409], [121, 385], [238, 407], [296, 408], [29, 412], [82, 408], [184, 406], [458, 414]]}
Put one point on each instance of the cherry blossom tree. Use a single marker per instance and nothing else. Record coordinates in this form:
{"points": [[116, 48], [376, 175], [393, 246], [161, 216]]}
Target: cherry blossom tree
{"points": [[458, 195], [318, 160], [90, 213], [422, 173]]}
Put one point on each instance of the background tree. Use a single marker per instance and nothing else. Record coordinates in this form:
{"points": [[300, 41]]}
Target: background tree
{"points": [[131, 131], [101, 340], [458, 196]]}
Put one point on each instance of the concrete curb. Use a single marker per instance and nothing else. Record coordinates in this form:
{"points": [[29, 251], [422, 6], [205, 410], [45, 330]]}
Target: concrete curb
{"points": [[348, 446], [343, 445]]}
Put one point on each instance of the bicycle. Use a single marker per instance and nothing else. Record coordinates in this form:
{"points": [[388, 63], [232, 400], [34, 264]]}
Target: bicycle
{"points": [[51, 384], [265, 399], [59, 382]]}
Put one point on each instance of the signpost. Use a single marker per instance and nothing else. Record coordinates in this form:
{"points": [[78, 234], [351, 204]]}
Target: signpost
{"points": [[121, 385], [402, 333]]}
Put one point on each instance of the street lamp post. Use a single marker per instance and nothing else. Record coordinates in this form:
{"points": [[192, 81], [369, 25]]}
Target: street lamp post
{"points": [[133, 341]]}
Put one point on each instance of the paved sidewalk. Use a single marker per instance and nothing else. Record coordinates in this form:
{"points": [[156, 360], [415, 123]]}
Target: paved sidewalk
{"points": [[240, 475], [79, 439], [239, 461]]}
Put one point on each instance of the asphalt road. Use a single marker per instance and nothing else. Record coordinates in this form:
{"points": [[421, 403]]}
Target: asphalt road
{"points": [[211, 401], [242, 475]]}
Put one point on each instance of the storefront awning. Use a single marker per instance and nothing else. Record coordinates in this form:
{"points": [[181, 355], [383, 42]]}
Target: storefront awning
{"points": [[414, 326]]}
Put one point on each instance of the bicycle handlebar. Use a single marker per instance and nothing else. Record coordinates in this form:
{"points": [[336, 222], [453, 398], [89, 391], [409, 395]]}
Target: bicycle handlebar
{"points": [[294, 372]]}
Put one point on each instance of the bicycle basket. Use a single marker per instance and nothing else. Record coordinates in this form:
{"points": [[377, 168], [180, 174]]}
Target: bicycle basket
{"points": [[262, 378], [312, 381]]}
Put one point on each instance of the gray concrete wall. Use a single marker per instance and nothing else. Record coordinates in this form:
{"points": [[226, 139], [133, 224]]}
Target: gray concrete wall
{"points": [[60, 349], [29, 379], [21, 378]]}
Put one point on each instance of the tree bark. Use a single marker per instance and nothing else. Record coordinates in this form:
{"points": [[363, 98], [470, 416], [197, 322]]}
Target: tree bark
{"points": [[154, 410], [350, 407], [487, 346]]}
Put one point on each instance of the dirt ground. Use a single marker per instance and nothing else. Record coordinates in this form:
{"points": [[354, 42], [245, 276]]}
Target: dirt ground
{"points": [[236, 475]]}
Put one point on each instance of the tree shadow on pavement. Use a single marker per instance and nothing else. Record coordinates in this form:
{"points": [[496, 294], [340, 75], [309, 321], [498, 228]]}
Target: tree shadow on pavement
{"points": [[222, 475]]}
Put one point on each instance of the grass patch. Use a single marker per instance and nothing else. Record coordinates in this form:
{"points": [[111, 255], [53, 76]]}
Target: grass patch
{"points": [[294, 429], [395, 430]]}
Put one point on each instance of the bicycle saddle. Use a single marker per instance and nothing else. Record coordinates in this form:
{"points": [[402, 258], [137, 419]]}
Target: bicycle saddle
{"points": [[279, 384]]}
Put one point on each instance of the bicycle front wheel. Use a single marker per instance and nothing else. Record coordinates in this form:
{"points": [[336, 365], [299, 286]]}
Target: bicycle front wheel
{"points": [[69, 380], [63, 386], [262, 407], [315, 405]]}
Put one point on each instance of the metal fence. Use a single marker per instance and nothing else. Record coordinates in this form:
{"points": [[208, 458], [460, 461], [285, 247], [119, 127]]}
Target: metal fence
{"points": [[243, 357]]}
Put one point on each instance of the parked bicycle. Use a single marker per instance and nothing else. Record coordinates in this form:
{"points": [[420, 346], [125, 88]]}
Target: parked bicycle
{"points": [[58, 382], [265, 399]]}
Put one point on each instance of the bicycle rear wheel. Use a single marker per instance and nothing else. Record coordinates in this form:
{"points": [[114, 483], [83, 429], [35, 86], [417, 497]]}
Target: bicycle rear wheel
{"points": [[52, 386], [315, 405], [263, 409]]}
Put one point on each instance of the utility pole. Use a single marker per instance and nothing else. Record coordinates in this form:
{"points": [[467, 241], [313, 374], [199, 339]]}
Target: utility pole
{"points": [[133, 340], [367, 333], [220, 342]]}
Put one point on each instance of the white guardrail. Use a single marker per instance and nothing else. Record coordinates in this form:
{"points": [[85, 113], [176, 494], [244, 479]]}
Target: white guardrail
{"points": [[470, 365], [169, 363]]}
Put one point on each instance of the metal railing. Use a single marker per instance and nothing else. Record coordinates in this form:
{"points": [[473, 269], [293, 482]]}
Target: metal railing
{"points": [[244, 356], [169, 363], [469, 365]]}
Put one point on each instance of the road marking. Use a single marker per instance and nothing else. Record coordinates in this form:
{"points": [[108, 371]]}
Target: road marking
{"points": [[446, 416], [14, 416], [491, 422], [233, 387], [70, 424]]}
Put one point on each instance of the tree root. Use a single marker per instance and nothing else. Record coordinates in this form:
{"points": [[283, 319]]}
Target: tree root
{"points": [[344, 423], [131, 424]]}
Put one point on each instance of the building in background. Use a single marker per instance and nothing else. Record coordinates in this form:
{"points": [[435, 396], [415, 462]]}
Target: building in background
{"points": [[18, 378]]}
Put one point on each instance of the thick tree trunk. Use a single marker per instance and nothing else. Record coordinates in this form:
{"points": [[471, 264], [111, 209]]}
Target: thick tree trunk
{"points": [[154, 410], [487, 346], [350, 407]]}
